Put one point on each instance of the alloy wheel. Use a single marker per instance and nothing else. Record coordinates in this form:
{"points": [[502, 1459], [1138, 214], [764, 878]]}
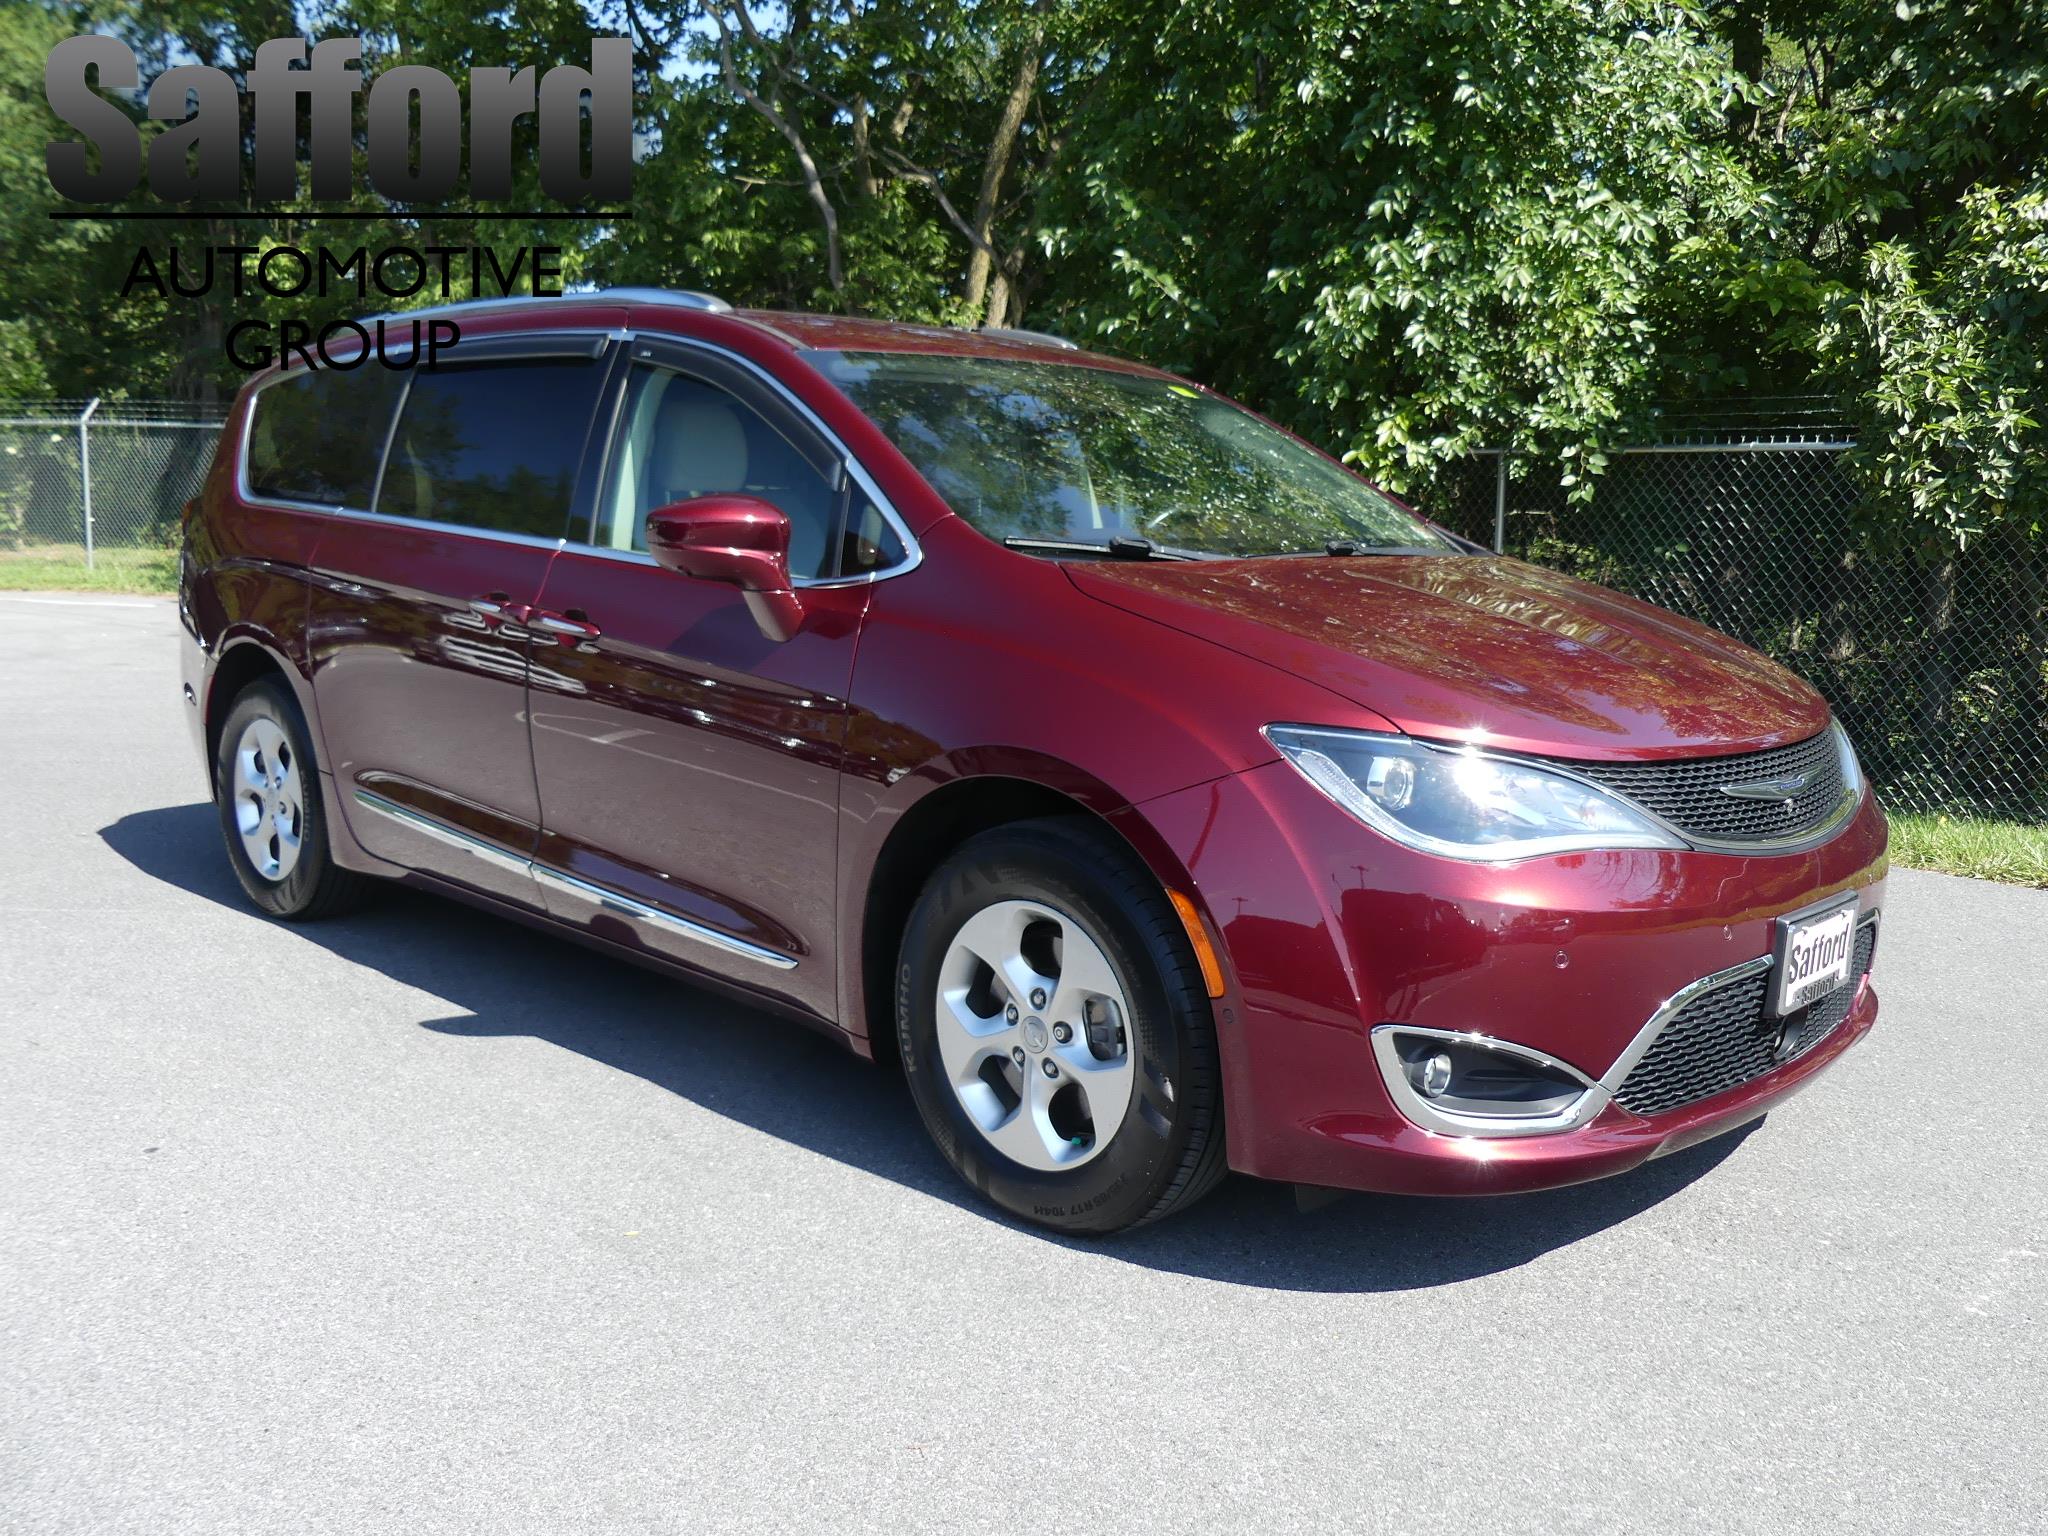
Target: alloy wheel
{"points": [[269, 799], [1033, 1031]]}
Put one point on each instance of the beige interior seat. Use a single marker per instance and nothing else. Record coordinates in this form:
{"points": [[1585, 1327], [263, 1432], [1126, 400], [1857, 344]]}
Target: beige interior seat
{"points": [[700, 449]]}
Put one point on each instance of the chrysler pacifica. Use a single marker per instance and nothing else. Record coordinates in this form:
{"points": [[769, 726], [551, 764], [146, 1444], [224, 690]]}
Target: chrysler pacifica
{"points": [[1160, 795]]}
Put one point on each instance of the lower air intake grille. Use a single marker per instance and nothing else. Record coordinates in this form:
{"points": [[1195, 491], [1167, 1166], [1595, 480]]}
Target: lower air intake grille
{"points": [[1721, 1039]]}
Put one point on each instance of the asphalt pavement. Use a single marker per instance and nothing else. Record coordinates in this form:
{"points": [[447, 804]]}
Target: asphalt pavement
{"points": [[415, 1221]]}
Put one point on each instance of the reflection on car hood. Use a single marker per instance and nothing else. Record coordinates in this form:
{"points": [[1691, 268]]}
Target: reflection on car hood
{"points": [[1481, 648]]}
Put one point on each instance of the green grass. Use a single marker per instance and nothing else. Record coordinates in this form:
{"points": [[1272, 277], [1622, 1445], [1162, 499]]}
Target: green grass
{"points": [[61, 568], [1988, 850]]}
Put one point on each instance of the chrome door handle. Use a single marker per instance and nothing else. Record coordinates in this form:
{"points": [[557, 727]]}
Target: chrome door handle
{"points": [[567, 629]]}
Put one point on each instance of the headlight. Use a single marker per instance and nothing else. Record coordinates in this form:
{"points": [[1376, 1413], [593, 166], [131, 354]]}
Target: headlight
{"points": [[1852, 771], [1458, 803]]}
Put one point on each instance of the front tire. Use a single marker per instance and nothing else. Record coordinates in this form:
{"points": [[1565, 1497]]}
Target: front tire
{"points": [[1055, 1031], [266, 786]]}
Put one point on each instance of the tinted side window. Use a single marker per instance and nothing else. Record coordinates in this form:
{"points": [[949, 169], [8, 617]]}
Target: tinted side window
{"points": [[317, 436], [681, 437], [869, 543], [492, 445]]}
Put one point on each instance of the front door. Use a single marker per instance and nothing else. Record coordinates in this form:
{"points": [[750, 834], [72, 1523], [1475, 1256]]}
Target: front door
{"points": [[688, 765], [419, 654]]}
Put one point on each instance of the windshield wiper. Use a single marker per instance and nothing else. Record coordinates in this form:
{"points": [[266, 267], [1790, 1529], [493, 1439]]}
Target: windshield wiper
{"points": [[1353, 547], [1123, 546]]}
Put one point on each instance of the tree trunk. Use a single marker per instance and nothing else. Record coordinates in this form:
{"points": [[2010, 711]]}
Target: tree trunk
{"points": [[769, 105], [979, 267], [1007, 290], [863, 162], [1937, 663], [1746, 43]]}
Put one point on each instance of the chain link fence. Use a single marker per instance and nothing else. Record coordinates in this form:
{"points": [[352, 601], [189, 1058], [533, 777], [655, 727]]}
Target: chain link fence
{"points": [[1938, 665], [99, 482]]}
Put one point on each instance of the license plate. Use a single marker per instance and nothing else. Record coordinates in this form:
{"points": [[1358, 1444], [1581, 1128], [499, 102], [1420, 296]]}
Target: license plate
{"points": [[1814, 952]]}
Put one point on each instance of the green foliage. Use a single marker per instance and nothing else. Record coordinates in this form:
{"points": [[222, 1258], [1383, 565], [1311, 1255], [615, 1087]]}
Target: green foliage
{"points": [[1405, 227], [45, 262], [1413, 228], [1947, 371], [1917, 146]]}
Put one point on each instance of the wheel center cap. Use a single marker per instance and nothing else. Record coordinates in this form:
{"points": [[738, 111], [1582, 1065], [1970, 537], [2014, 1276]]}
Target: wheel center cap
{"points": [[1034, 1034]]}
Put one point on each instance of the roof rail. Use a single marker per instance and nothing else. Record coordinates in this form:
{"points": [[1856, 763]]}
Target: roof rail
{"points": [[1045, 338], [681, 298], [458, 307]]}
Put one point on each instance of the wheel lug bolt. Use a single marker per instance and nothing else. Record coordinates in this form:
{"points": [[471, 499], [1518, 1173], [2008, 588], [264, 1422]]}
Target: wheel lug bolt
{"points": [[1052, 1068], [1063, 1033], [1010, 1014], [1017, 1054], [1038, 997]]}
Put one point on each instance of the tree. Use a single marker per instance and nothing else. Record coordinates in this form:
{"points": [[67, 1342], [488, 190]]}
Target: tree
{"points": [[843, 140], [1411, 229]]}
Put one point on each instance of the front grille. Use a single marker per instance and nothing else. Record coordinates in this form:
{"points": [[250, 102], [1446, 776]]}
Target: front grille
{"points": [[1721, 1039], [1687, 792]]}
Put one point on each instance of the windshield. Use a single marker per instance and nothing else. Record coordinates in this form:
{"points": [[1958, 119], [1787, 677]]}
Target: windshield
{"points": [[1032, 452]]}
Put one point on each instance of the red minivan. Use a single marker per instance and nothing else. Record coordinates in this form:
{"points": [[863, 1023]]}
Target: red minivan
{"points": [[1163, 797]]}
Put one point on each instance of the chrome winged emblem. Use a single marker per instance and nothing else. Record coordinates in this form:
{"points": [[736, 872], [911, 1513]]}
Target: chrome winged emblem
{"points": [[1768, 789]]}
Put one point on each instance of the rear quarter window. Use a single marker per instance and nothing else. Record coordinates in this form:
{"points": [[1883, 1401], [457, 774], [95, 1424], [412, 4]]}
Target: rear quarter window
{"points": [[317, 436]]}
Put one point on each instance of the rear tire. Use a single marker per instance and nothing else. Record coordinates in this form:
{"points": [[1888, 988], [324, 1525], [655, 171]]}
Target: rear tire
{"points": [[266, 786], [1055, 1031]]}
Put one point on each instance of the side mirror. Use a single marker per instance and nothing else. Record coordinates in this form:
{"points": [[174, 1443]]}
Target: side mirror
{"points": [[740, 540]]}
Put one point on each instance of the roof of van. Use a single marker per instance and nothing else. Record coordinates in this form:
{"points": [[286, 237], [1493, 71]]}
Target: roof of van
{"points": [[824, 332]]}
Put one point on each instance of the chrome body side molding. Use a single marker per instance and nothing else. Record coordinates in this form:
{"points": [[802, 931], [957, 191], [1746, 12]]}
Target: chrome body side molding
{"points": [[570, 885]]}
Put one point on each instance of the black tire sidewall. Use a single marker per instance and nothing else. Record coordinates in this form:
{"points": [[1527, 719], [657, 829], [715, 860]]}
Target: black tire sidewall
{"points": [[298, 891], [1126, 1180]]}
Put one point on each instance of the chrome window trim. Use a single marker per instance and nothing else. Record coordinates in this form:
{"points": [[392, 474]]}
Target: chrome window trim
{"points": [[913, 551], [499, 857], [394, 520], [245, 493], [1431, 1117], [1852, 797]]}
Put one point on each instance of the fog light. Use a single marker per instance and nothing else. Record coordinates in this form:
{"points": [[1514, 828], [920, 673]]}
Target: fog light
{"points": [[1469, 1084]]}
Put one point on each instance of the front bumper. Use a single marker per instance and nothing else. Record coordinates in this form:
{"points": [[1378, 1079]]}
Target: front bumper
{"points": [[1373, 1152], [1329, 930]]}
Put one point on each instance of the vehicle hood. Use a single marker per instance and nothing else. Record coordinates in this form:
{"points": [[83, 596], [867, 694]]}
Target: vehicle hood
{"points": [[1480, 648]]}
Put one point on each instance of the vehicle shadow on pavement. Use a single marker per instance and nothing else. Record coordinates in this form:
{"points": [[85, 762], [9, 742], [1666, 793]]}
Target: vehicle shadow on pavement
{"points": [[792, 1083]]}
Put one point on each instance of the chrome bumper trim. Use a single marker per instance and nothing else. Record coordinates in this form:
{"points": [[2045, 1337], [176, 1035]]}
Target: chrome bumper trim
{"points": [[1598, 1095], [1432, 1117]]}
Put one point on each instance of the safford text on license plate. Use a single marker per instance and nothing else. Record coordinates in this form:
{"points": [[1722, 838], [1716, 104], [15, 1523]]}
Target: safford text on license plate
{"points": [[1814, 954]]}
